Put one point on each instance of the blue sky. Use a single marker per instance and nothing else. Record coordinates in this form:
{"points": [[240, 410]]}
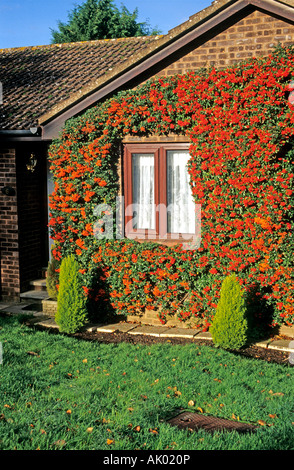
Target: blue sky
{"points": [[28, 22]]}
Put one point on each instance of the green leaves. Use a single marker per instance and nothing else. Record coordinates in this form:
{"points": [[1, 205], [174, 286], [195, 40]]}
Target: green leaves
{"points": [[100, 19], [241, 129]]}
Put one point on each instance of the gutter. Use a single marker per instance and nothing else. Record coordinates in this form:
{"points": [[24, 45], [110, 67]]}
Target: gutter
{"points": [[21, 135]]}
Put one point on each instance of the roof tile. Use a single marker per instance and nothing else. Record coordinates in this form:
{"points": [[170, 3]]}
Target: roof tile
{"points": [[34, 79]]}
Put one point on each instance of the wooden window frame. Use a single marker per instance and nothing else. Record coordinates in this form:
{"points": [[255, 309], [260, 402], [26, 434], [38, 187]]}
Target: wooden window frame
{"points": [[159, 150]]}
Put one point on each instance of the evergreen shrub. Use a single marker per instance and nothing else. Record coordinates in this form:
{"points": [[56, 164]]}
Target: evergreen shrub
{"points": [[71, 312], [52, 278], [230, 327]]}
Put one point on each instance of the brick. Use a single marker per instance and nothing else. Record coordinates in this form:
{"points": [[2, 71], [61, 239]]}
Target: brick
{"points": [[8, 227], [254, 35]]}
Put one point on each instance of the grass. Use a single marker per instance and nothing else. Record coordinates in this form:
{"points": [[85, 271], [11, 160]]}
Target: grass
{"points": [[59, 392]]}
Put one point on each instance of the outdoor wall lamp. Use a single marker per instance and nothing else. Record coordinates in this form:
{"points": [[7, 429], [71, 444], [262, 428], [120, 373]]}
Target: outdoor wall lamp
{"points": [[32, 163]]}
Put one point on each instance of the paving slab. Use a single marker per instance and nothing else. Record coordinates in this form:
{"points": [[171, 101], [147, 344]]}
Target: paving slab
{"points": [[149, 330], [3, 306], [48, 323], [111, 328], [180, 333], [203, 335], [91, 328], [39, 319], [263, 343], [16, 309], [282, 345], [35, 294]]}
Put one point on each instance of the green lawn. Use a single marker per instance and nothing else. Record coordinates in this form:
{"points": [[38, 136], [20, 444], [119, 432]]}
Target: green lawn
{"points": [[58, 392]]}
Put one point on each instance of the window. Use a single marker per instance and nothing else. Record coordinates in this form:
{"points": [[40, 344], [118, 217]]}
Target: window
{"points": [[158, 197]]}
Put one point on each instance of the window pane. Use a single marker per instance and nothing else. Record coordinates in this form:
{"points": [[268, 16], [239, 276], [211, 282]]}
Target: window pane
{"points": [[181, 206], [143, 191]]}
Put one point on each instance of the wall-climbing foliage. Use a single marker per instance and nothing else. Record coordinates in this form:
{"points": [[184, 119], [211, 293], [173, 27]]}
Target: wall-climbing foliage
{"points": [[241, 127]]}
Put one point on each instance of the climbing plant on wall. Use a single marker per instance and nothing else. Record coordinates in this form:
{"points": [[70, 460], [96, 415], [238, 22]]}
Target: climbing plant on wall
{"points": [[241, 127]]}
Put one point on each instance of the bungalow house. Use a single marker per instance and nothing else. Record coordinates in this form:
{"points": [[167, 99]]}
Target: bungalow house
{"points": [[43, 86]]}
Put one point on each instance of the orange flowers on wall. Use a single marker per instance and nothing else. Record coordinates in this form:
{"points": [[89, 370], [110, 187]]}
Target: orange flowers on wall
{"points": [[241, 127]]}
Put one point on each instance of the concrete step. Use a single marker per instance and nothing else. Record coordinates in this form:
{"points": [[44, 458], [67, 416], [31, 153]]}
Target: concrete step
{"points": [[39, 284], [34, 296]]}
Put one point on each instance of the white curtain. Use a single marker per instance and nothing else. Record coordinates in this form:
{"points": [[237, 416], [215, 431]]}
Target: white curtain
{"points": [[143, 191], [181, 206]]}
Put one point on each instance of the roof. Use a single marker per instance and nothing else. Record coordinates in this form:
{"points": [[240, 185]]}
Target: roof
{"points": [[34, 79], [45, 85]]}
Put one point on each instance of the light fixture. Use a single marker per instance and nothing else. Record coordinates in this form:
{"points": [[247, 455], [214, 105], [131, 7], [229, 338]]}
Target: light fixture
{"points": [[32, 163]]}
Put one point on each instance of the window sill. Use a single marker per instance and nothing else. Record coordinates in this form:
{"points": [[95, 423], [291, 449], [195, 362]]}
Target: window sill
{"points": [[161, 241]]}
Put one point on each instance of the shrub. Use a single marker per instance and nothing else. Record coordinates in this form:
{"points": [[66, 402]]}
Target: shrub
{"points": [[229, 326], [71, 312], [52, 278]]}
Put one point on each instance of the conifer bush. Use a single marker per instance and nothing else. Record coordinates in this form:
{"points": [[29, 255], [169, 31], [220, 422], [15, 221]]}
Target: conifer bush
{"points": [[71, 312], [229, 327], [52, 278]]}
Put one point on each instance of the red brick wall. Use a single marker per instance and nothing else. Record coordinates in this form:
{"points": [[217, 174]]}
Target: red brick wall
{"points": [[254, 35], [9, 254]]}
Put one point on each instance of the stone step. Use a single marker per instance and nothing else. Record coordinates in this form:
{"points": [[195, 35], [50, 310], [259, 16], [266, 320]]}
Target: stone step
{"points": [[35, 296], [39, 284]]}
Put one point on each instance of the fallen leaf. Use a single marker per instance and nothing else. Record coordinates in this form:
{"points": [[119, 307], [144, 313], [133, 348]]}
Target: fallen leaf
{"points": [[59, 443], [191, 403], [154, 431], [261, 422], [200, 409], [155, 381], [89, 430], [137, 428], [85, 360], [276, 394], [110, 441], [68, 412], [273, 416], [32, 353]]}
